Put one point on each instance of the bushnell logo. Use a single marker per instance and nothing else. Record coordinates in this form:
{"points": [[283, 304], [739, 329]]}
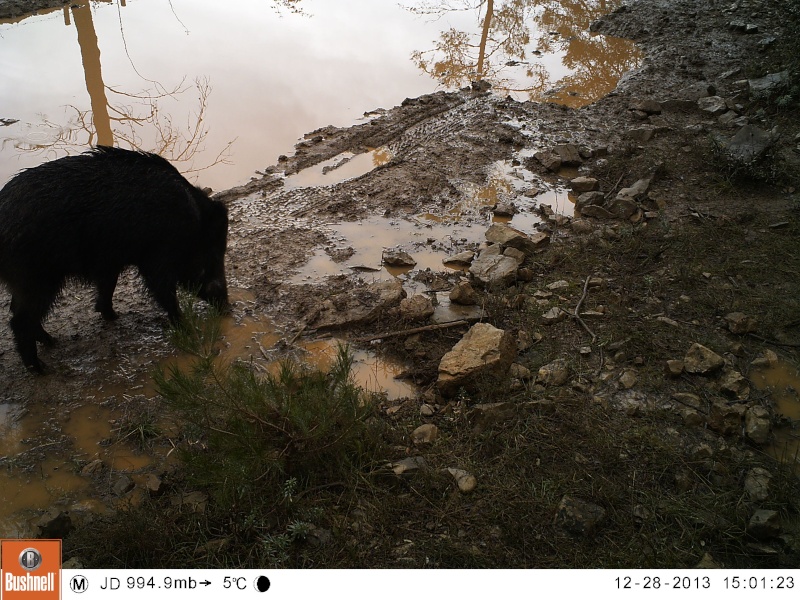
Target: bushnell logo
{"points": [[30, 559]]}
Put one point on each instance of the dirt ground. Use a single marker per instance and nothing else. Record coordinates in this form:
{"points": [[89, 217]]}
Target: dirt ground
{"points": [[441, 144]]}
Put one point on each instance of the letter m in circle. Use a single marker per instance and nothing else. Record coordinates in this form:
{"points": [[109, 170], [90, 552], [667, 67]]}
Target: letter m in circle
{"points": [[79, 584]]}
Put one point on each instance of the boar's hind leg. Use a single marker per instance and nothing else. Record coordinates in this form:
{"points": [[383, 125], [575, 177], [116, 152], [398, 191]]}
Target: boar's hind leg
{"points": [[29, 310], [105, 293]]}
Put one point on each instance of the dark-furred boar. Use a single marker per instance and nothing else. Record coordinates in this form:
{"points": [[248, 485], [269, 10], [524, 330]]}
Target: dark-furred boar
{"points": [[89, 216]]}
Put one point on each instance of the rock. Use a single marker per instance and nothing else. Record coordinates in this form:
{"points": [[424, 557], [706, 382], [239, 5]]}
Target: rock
{"points": [[504, 209], [464, 294], [123, 485], [695, 91], [54, 524], [581, 185], [466, 481], [769, 85], [687, 399], [517, 255], [75, 562], [408, 466], [549, 160], [554, 315], [623, 208], [540, 239], [725, 418], [193, 501], [764, 525], [757, 424], [494, 270], [507, 236], [462, 259], [649, 107], [525, 274], [520, 372], [713, 105], [728, 118], [524, 340], [561, 284], [318, 536], [641, 134], [578, 516], [756, 484], [555, 373], [154, 485], [628, 379], [359, 305], [492, 250], [596, 212], [483, 351], [700, 360], [673, 368], [425, 434], [590, 199], [398, 258], [636, 191], [739, 323], [484, 416], [770, 359], [749, 144], [707, 562], [581, 226], [426, 410], [416, 308], [92, 468], [569, 154], [731, 383]]}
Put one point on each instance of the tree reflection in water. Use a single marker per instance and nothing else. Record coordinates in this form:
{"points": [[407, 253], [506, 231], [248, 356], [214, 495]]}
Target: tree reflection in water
{"points": [[119, 118], [510, 39]]}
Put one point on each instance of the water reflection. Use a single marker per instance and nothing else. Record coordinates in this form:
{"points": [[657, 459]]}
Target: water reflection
{"points": [[513, 42], [133, 120]]}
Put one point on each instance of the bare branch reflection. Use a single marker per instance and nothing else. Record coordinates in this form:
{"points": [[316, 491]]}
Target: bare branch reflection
{"points": [[510, 39], [138, 120]]}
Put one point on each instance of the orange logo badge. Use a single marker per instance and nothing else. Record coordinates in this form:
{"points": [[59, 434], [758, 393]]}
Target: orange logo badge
{"points": [[31, 569]]}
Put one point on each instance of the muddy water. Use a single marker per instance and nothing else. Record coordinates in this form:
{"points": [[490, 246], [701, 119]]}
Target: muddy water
{"points": [[242, 84], [783, 382], [92, 429], [429, 238]]}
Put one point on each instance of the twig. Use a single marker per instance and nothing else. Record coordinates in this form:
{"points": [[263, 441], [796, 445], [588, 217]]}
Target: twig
{"points": [[578, 308], [413, 331], [297, 335], [774, 342], [613, 189]]}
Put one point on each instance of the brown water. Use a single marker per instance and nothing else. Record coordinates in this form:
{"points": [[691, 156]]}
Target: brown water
{"points": [[244, 81], [92, 428], [783, 382]]}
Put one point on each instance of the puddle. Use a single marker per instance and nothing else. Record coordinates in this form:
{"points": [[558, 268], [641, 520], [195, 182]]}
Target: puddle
{"points": [[221, 120], [432, 238], [370, 372], [340, 168], [783, 382], [536, 50]]}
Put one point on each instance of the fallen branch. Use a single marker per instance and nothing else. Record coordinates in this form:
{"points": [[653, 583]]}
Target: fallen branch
{"points": [[412, 331], [577, 315]]}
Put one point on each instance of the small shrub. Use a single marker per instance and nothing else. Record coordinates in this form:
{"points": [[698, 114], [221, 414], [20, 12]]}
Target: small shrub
{"points": [[250, 433]]}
